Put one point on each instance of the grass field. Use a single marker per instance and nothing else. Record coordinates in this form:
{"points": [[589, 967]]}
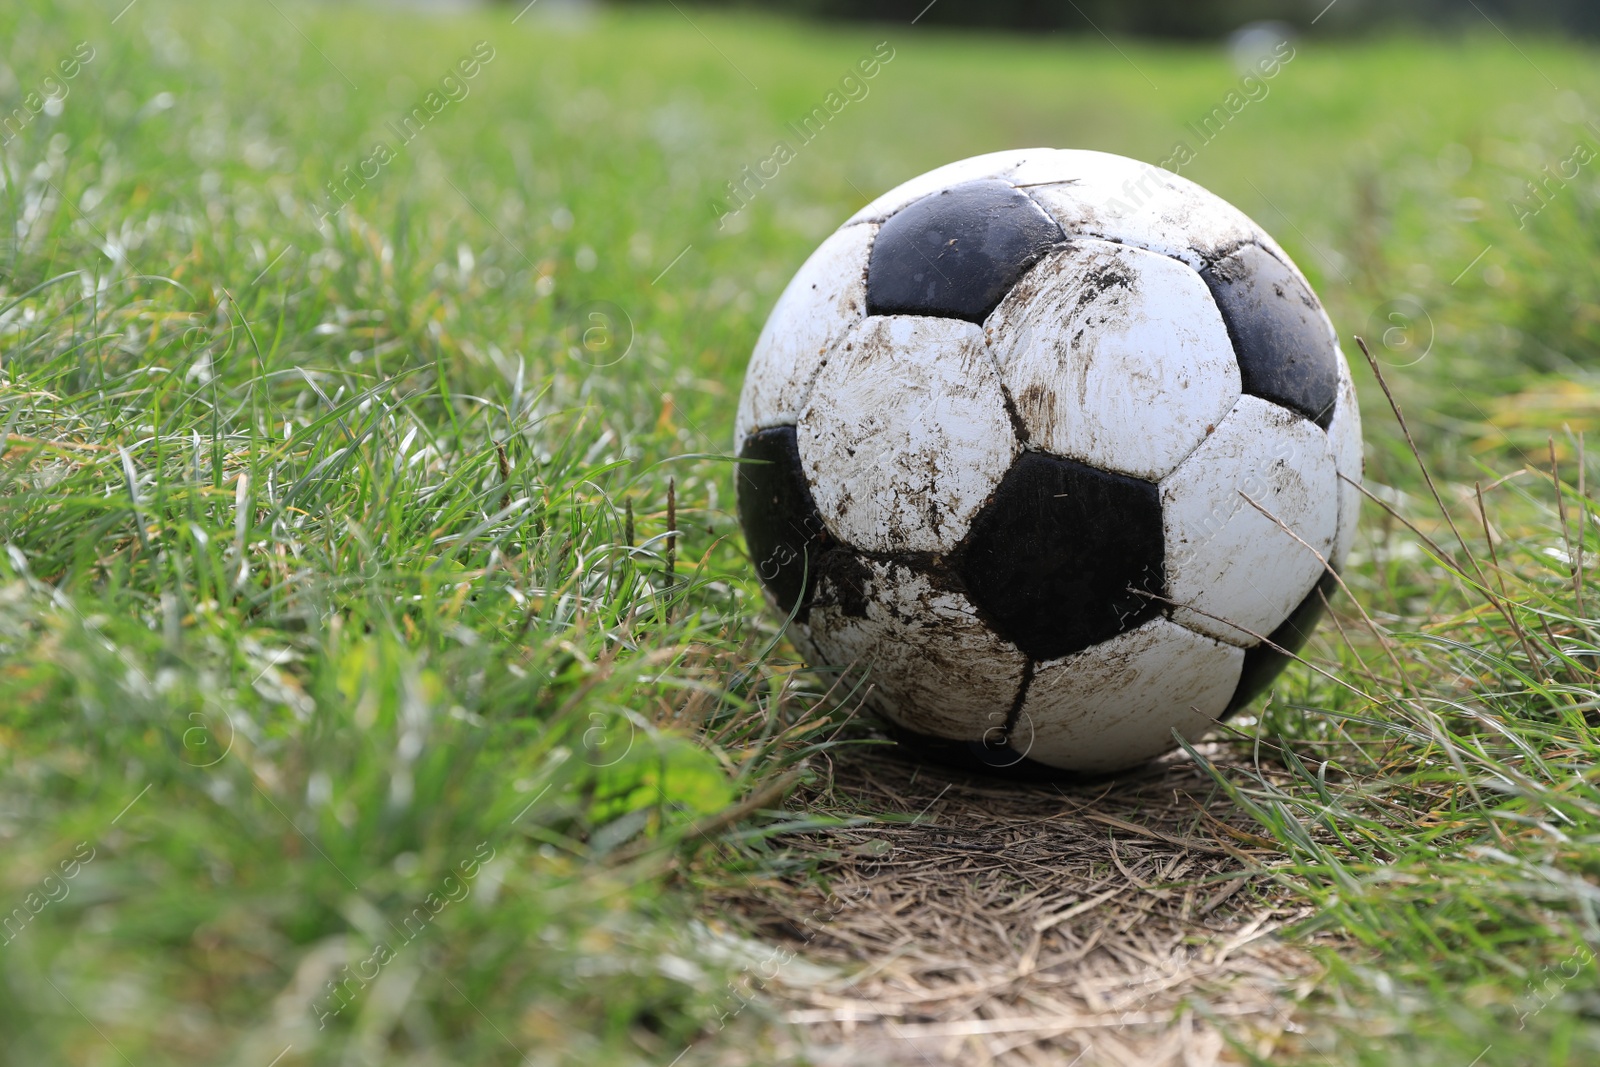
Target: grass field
{"points": [[381, 677]]}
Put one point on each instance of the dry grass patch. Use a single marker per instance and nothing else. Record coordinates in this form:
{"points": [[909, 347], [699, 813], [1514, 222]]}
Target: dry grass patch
{"points": [[1120, 923]]}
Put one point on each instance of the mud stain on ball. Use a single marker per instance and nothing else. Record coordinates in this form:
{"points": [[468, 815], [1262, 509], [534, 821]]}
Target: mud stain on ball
{"points": [[1120, 701], [932, 663], [1287, 352], [817, 307], [913, 437], [1071, 400], [1118, 357]]}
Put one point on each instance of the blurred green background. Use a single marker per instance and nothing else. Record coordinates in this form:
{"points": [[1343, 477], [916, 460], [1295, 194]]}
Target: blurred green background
{"points": [[1205, 19]]}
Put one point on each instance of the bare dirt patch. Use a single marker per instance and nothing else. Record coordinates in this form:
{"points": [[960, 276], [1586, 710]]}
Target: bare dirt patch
{"points": [[1129, 922]]}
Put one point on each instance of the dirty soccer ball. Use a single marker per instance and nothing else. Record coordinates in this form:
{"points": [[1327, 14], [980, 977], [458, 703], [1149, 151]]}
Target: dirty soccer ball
{"points": [[1045, 443]]}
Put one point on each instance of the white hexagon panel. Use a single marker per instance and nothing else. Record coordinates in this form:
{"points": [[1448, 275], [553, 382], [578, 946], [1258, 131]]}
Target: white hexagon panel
{"points": [[1123, 698], [1249, 518], [933, 665], [909, 436], [1115, 357], [1095, 194]]}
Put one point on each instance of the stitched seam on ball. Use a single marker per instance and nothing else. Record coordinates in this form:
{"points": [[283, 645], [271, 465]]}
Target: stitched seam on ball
{"points": [[1015, 714], [1250, 635]]}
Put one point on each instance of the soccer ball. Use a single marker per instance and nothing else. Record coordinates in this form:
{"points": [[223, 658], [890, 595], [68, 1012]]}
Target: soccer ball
{"points": [[1055, 447]]}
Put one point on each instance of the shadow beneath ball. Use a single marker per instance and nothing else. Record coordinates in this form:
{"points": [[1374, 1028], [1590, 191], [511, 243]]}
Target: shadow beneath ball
{"points": [[992, 761]]}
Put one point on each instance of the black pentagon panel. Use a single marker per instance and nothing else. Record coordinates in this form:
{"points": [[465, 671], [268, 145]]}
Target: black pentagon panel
{"points": [[1285, 352], [1262, 664], [956, 252], [782, 526], [1054, 556]]}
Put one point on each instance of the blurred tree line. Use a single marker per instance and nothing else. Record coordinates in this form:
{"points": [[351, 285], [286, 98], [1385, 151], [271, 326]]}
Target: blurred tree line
{"points": [[1204, 18]]}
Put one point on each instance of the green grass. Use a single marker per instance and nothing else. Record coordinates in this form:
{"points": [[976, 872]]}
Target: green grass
{"points": [[338, 583]]}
